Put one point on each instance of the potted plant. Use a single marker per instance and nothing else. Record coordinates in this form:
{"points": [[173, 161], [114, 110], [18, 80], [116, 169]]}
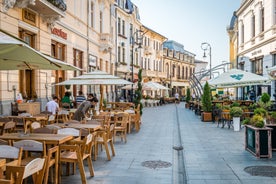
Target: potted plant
{"points": [[257, 136], [188, 98], [236, 113], [206, 103]]}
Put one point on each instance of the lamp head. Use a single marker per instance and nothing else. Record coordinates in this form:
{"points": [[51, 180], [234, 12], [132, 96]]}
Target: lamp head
{"points": [[204, 54]]}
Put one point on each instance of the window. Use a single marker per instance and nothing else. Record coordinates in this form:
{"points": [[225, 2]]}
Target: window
{"points": [[123, 27], [182, 72], [130, 30], [273, 59], [136, 58], [92, 14], [262, 19], [253, 25], [101, 22], [119, 25], [257, 66], [124, 55], [27, 78], [119, 54], [78, 61], [242, 33]]}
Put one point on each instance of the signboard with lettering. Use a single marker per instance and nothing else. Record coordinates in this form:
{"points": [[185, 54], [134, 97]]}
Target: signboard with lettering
{"points": [[59, 33]]}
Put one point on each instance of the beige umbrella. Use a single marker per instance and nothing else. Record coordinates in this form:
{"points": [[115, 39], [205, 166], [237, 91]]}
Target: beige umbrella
{"points": [[15, 54], [148, 86], [96, 78]]}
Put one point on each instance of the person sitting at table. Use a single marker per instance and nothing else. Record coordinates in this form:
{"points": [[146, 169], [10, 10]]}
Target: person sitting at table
{"points": [[66, 100], [52, 106], [80, 98], [83, 108]]}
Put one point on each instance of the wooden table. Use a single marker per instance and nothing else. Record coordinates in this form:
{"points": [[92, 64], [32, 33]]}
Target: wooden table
{"points": [[55, 139], [2, 164]]}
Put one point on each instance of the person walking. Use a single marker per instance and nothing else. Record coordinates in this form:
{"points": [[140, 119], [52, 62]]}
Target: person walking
{"points": [[52, 106], [176, 96]]}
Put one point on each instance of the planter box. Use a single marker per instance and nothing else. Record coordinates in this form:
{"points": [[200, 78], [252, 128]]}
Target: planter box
{"points": [[187, 105], [206, 116], [258, 141], [273, 135]]}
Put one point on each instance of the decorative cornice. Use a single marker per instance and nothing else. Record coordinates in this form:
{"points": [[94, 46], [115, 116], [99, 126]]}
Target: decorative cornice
{"points": [[8, 4], [24, 3]]}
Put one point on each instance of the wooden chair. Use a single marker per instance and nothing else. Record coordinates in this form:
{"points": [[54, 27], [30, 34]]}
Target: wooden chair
{"points": [[32, 149], [8, 127], [52, 160], [103, 137], [52, 126], [34, 125], [121, 121], [69, 131], [35, 168], [27, 123], [45, 130], [77, 153], [51, 119], [12, 154], [15, 110]]}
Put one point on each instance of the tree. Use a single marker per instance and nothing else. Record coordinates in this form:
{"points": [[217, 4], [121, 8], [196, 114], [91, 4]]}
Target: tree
{"points": [[138, 92], [206, 98], [188, 95]]}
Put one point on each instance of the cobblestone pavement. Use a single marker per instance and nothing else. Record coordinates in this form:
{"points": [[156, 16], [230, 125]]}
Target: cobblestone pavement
{"points": [[154, 155]]}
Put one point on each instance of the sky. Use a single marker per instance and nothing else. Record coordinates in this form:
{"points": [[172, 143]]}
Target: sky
{"points": [[192, 22]]}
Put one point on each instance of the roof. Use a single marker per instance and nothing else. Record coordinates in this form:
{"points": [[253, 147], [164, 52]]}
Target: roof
{"points": [[173, 45]]}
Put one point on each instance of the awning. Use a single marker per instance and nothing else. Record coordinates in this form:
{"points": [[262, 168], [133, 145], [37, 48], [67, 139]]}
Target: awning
{"points": [[183, 84]]}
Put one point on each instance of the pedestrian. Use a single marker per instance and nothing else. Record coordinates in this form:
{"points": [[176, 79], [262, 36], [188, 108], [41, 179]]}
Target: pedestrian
{"points": [[52, 106], [80, 98], [176, 96], [81, 112]]}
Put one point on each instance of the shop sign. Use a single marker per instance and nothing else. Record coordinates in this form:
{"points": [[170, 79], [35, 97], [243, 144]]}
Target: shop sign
{"points": [[59, 33]]}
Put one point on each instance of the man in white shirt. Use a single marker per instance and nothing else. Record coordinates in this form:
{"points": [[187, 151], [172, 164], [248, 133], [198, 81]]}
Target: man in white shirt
{"points": [[52, 106]]}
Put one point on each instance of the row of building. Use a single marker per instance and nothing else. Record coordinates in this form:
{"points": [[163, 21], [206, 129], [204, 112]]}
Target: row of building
{"points": [[252, 35], [90, 34]]}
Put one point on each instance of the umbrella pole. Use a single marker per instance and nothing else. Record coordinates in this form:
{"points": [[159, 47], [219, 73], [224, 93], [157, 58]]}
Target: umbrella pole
{"points": [[101, 99]]}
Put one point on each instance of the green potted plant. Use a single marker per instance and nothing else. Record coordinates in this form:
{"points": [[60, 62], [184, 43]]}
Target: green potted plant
{"points": [[188, 98], [206, 103], [236, 113]]}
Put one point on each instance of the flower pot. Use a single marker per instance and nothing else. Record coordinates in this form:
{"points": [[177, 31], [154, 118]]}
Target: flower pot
{"points": [[237, 123], [206, 116], [258, 141]]}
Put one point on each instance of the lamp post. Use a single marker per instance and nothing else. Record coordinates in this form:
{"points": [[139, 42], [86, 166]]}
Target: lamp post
{"points": [[206, 46], [136, 39]]}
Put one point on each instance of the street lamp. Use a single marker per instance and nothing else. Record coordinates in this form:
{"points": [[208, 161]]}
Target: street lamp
{"points": [[206, 46], [135, 39]]}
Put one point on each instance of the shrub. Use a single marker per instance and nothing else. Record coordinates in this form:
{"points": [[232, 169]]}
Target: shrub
{"points": [[260, 111], [206, 98], [236, 111], [188, 95]]}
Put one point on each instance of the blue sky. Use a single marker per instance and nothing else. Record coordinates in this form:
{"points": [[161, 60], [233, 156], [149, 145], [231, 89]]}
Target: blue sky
{"points": [[191, 22]]}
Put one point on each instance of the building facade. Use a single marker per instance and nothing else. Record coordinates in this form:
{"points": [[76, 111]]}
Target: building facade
{"points": [[179, 65], [90, 34], [254, 35]]}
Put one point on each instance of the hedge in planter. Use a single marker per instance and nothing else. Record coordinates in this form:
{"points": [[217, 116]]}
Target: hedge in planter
{"points": [[206, 103], [188, 98]]}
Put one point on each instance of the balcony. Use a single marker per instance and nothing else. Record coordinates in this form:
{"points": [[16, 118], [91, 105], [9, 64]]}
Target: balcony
{"points": [[50, 10], [106, 42], [149, 73], [147, 50]]}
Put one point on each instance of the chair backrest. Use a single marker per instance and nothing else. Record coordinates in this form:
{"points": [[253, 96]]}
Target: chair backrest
{"points": [[36, 166], [86, 147], [52, 118], [35, 125], [45, 130], [10, 152], [31, 146], [69, 131], [52, 126], [8, 127], [121, 119]]}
